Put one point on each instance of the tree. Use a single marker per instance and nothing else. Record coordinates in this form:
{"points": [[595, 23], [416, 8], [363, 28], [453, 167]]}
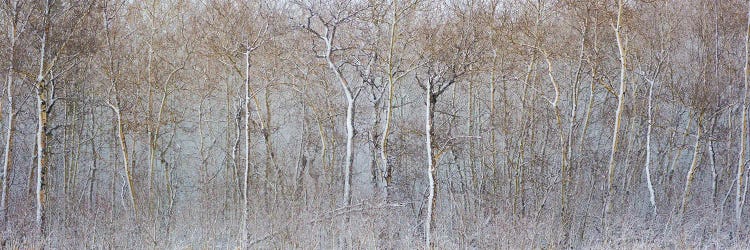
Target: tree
{"points": [[16, 26], [739, 198], [324, 28], [444, 64], [395, 72], [622, 49], [111, 66]]}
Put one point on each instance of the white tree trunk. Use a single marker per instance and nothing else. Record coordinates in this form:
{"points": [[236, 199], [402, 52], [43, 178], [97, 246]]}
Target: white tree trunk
{"points": [[430, 169], [349, 150], [650, 186], [116, 108], [564, 152], [125, 158], [10, 120], [739, 201], [245, 200], [41, 135], [618, 112], [693, 165], [348, 160], [385, 175], [41, 160]]}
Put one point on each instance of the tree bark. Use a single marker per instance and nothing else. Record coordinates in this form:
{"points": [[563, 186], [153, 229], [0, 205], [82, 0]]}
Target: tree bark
{"points": [[431, 188], [41, 131]]}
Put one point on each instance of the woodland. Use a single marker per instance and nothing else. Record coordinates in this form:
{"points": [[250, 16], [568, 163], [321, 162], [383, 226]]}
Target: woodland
{"points": [[395, 124]]}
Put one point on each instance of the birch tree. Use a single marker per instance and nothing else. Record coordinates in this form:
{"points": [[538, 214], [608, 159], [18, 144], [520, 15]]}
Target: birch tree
{"points": [[111, 13], [693, 163], [327, 29], [647, 165], [395, 72], [622, 50], [42, 99], [16, 25], [445, 63], [739, 198]]}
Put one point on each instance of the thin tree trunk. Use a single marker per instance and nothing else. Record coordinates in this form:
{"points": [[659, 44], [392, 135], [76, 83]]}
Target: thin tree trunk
{"points": [[375, 140], [7, 160], [350, 98], [693, 165], [564, 208], [739, 202], [125, 159], [301, 159], [349, 161], [67, 134], [714, 184], [589, 109], [41, 131], [230, 159], [150, 125], [492, 115], [618, 112], [430, 217], [386, 168], [265, 128], [246, 174], [94, 158], [650, 186], [116, 108], [712, 160]]}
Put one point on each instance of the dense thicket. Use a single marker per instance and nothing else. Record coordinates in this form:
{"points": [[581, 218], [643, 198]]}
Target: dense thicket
{"points": [[378, 123]]}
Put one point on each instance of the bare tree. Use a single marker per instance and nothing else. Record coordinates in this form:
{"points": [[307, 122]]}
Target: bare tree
{"points": [[739, 198], [445, 63], [325, 29], [622, 49], [16, 25], [114, 37]]}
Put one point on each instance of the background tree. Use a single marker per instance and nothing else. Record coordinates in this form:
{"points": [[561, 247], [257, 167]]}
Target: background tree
{"points": [[468, 124]]}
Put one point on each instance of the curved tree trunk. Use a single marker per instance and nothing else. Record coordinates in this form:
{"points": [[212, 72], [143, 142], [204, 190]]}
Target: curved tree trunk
{"points": [[693, 165]]}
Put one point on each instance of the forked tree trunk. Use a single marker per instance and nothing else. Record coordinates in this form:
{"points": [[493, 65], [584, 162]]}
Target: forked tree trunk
{"points": [[693, 165], [117, 109], [125, 158], [554, 103], [350, 98]]}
